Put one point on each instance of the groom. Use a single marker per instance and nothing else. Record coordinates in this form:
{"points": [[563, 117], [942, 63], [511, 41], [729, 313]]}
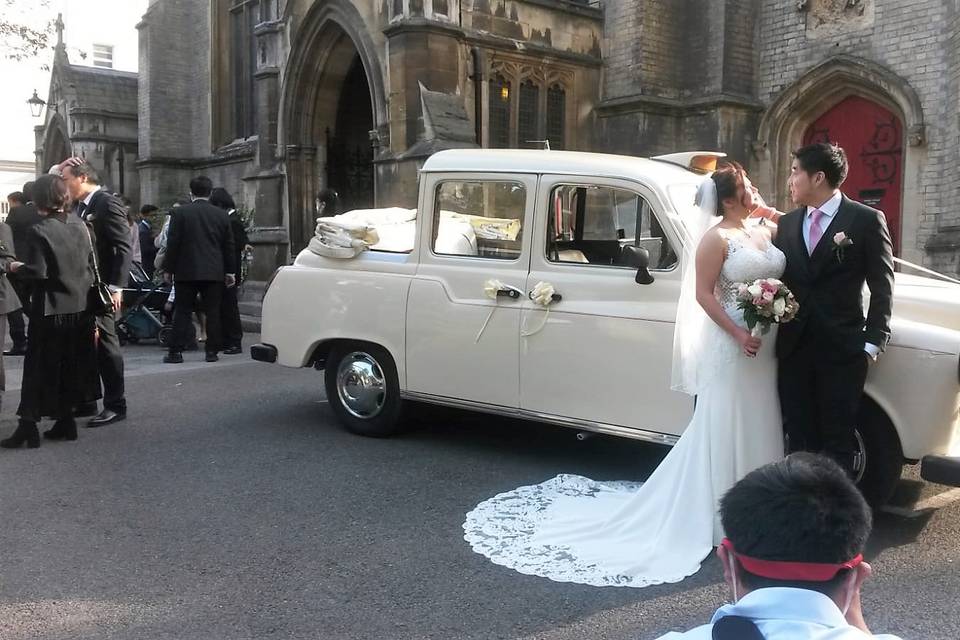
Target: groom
{"points": [[833, 246]]}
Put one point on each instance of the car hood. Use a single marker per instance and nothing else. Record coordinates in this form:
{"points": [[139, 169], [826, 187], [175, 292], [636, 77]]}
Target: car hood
{"points": [[927, 301]]}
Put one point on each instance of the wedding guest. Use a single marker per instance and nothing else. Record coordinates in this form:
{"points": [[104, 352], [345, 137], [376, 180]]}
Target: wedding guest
{"points": [[20, 219], [8, 297], [14, 200], [60, 367], [229, 306], [111, 234], [148, 251], [796, 569]]}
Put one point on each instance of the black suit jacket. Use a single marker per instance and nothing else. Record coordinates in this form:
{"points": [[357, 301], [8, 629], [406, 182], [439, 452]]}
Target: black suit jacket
{"points": [[830, 289], [108, 218], [58, 262], [200, 243], [20, 219]]}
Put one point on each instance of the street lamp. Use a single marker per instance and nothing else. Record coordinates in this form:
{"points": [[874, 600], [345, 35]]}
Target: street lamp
{"points": [[36, 104]]}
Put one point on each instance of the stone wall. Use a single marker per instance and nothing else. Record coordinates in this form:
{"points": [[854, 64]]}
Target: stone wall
{"points": [[916, 41]]}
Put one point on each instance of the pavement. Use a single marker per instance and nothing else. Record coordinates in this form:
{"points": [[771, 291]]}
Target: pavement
{"points": [[231, 505]]}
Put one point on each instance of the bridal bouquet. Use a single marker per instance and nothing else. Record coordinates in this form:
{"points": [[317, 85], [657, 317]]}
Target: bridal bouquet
{"points": [[765, 302]]}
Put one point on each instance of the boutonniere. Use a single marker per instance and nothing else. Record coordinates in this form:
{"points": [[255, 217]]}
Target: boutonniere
{"points": [[841, 242]]}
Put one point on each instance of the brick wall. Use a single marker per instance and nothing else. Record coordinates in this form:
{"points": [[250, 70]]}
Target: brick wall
{"points": [[917, 41]]}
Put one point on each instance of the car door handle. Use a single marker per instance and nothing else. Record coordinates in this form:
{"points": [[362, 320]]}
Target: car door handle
{"points": [[509, 292]]}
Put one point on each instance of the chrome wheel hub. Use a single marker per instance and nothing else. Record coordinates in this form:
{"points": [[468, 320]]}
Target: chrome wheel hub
{"points": [[361, 387]]}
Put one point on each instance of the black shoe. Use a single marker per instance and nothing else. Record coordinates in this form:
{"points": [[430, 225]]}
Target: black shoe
{"points": [[232, 351], [212, 356], [174, 357], [64, 429], [85, 410], [107, 416], [26, 433], [16, 350]]}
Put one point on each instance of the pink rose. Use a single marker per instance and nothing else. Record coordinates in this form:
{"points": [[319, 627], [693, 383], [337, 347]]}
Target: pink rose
{"points": [[767, 296]]}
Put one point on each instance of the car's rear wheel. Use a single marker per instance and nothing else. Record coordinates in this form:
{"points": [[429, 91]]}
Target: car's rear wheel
{"points": [[363, 389], [879, 460]]}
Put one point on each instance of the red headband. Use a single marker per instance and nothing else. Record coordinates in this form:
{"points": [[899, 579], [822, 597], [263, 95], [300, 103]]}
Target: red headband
{"points": [[793, 571]]}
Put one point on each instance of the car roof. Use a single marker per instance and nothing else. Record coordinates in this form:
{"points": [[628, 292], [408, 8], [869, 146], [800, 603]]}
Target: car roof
{"points": [[560, 162]]}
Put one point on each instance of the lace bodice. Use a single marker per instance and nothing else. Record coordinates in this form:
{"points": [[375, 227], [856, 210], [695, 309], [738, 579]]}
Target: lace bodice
{"points": [[745, 263]]}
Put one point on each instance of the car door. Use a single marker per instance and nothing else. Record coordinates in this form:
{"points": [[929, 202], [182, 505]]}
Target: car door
{"points": [[462, 329], [602, 352]]}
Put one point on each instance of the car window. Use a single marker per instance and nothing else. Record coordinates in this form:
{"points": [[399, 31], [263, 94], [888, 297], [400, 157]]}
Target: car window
{"points": [[590, 224], [479, 218]]}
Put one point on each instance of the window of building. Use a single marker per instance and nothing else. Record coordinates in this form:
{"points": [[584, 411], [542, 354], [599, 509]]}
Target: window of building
{"points": [[479, 218], [103, 56], [556, 116], [538, 111], [596, 225], [528, 116], [500, 96], [244, 17]]}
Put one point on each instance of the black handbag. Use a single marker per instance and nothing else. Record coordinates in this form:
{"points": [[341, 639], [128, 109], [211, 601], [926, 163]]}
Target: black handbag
{"points": [[100, 300]]}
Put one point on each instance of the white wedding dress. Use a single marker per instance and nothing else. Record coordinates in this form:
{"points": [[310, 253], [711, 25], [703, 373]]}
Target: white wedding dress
{"points": [[572, 529]]}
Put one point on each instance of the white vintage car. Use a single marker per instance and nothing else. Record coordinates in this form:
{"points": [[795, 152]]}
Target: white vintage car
{"points": [[444, 308]]}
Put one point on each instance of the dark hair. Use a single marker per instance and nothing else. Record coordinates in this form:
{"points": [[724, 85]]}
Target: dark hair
{"points": [[85, 169], [28, 191], [16, 196], [803, 508], [829, 158], [50, 194], [728, 179], [147, 209], [330, 200], [201, 186], [220, 197]]}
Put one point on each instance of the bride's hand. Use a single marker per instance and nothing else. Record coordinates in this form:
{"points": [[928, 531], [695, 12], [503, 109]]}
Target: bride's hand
{"points": [[749, 345]]}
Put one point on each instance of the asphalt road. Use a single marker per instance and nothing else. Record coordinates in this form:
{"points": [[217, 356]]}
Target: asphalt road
{"points": [[230, 505]]}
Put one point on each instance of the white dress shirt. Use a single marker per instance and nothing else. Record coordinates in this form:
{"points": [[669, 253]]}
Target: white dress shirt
{"points": [[828, 209], [783, 613]]}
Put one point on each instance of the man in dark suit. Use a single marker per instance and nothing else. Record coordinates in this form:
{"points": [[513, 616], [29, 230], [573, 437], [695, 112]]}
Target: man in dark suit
{"points": [[200, 259], [20, 219], [833, 246], [107, 217]]}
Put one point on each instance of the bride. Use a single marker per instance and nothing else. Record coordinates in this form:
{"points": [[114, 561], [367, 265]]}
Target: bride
{"points": [[572, 529]]}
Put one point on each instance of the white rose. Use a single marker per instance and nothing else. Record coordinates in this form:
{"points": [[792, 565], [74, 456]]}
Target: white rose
{"points": [[755, 290], [779, 306]]}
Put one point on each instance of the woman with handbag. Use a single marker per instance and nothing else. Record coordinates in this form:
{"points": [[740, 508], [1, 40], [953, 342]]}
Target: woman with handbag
{"points": [[60, 367]]}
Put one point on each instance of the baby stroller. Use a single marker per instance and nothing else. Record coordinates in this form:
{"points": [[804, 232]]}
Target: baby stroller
{"points": [[142, 317]]}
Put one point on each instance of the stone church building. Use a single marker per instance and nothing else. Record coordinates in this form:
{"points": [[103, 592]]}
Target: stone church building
{"points": [[280, 99]]}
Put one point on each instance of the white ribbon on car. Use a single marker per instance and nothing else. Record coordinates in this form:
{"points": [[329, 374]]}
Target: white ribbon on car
{"points": [[490, 289], [543, 295], [925, 270]]}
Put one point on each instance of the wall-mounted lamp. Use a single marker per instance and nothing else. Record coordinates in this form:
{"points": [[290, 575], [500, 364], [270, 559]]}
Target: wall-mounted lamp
{"points": [[36, 104]]}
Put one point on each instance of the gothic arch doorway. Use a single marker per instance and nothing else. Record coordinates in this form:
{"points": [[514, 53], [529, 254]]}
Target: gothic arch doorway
{"points": [[872, 136], [56, 148], [333, 97]]}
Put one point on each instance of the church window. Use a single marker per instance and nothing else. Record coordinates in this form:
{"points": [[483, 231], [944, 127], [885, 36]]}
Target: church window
{"points": [[556, 116], [529, 108], [244, 17], [500, 98], [103, 56]]}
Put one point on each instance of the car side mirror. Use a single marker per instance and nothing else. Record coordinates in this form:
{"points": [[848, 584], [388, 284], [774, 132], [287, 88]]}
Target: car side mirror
{"points": [[639, 259]]}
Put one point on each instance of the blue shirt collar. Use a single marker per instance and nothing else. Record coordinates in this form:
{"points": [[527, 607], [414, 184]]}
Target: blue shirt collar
{"points": [[785, 603], [830, 207]]}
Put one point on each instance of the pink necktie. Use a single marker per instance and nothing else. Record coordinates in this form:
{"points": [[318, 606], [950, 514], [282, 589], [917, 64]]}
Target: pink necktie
{"points": [[816, 230]]}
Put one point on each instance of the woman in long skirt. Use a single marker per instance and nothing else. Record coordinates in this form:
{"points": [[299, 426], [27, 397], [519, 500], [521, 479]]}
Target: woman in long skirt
{"points": [[60, 367]]}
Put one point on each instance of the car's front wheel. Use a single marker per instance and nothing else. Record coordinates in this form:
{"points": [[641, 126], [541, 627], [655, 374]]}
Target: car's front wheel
{"points": [[879, 459], [363, 389]]}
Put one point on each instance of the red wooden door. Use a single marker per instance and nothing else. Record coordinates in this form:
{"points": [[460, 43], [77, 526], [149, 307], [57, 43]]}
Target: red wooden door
{"points": [[872, 136]]}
